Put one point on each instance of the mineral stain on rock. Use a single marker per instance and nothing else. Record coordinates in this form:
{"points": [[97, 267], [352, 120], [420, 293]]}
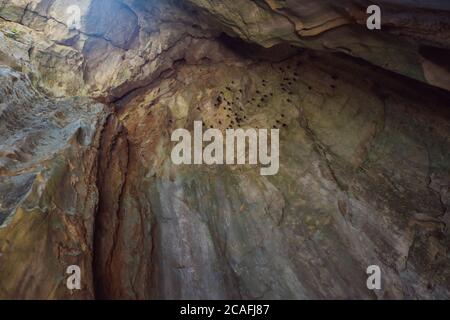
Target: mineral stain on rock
{"points": [[86, 176]]}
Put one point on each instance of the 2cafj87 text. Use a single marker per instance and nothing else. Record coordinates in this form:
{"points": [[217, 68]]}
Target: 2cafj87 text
{"points": [[252, 310]]}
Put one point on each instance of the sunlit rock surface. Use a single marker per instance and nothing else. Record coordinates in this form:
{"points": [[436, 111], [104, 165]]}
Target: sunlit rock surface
{"points": [[364, 150]]}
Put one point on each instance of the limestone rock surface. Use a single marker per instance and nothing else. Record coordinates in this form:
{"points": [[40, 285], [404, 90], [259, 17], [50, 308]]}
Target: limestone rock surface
{"points": [[86, 177]]}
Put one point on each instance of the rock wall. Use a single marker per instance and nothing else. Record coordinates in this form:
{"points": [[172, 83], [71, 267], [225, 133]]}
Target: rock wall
{"points": [[86, 176], [413, 41], [48, 190]]}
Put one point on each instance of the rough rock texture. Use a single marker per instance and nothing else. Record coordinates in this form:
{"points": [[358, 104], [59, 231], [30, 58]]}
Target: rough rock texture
{"points": [[414, 39], [116, 50], [48, 160], [364, 167], [357, 185]]}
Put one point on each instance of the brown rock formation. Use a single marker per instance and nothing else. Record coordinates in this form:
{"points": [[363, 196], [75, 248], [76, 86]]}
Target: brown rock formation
{"points": [[364, 173]]}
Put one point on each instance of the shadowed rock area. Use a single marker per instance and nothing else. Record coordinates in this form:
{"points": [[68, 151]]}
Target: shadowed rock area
{"points": [[86, 177]]}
